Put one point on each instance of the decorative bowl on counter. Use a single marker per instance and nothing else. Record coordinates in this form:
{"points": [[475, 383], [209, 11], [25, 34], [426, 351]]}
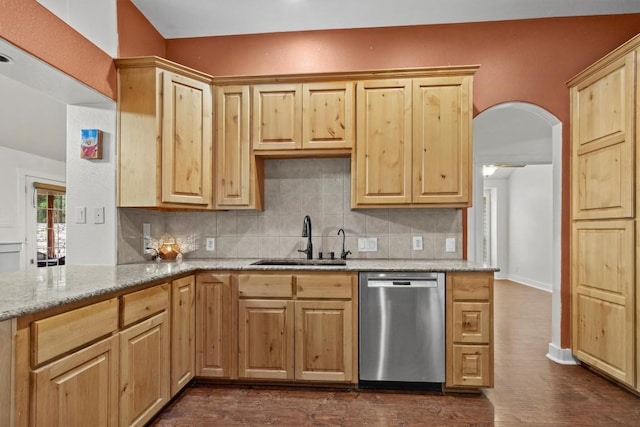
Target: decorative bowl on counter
{"points": [[169, 251]]}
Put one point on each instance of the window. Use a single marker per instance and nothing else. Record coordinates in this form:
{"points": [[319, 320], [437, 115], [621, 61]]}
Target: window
{"points": [[51, 228]]}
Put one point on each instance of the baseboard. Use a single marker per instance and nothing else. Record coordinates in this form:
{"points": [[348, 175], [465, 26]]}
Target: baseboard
{"points": [[561, 356], [531, 283]]}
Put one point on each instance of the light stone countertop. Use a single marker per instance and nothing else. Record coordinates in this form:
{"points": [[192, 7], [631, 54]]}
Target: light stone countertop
{"points": [[31, 291]]}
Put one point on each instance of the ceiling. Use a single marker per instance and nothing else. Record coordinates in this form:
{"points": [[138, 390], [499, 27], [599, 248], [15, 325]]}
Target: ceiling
{"points": [[34, 120], [199, 18]]}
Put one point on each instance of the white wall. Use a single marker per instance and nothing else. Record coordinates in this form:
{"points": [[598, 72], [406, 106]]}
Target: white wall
{"points": [[531, 226], [94, 19], [502, 223], [14, 166], [91, 184]]}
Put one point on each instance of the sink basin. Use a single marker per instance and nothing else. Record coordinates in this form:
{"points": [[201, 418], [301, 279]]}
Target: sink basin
{"points": [[301, 261]]}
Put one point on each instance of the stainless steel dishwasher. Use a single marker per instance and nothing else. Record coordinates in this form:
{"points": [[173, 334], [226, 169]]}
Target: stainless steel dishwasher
{"points": [[402, 330]]}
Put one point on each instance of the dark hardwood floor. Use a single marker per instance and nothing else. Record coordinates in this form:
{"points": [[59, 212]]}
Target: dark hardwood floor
{"points": [[529, 389]]}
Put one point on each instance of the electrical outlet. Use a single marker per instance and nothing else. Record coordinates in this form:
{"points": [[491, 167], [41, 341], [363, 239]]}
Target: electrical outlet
{"points": [[98, 215], [211, 244], [417, 243], [450, 244], [372, 244], [146, 236]]}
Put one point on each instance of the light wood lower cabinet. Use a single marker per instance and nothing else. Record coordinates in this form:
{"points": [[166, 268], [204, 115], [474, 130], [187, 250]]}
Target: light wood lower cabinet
{"points": [[80, 389], [469, 330], [144, 370], [265, 339], [297, 327], [215, 340], [183, 332]]}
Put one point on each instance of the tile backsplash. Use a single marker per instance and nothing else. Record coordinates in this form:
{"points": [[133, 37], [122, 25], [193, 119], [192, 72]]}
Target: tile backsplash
{"points": [[294, 188]]}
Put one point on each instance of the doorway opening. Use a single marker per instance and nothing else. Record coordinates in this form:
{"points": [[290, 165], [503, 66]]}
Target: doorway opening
{"points": [[517, 133]]}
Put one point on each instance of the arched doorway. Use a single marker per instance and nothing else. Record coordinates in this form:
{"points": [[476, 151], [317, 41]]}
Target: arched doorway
{"points": [[518, 133]]}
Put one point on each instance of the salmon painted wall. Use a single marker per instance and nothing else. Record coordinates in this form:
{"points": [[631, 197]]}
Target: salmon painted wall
{"points": [[31, 27], [525, 60], [136, 35]]}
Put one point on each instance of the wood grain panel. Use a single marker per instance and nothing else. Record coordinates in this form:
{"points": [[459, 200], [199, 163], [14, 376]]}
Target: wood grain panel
{"points": [[257, 285], [183, 332], [141, 304], [323, 285], [64, 332], [328, 115], [277, 116]]}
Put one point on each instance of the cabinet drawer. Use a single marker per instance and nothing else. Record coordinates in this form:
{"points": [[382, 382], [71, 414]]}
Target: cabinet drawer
{"points": [[265, 285], [326, 286], [144, 303], [64, 332], [472, 366], [471, 286], [472, 322]]}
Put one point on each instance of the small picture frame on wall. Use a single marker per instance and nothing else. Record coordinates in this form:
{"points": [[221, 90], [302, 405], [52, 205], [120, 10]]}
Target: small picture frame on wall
{"points": [[91, 145]]}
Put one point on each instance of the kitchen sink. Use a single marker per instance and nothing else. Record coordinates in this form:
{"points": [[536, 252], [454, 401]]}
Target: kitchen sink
{"points": [[301, 261]]}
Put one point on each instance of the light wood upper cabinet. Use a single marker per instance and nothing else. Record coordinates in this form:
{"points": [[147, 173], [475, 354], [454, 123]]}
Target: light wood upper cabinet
{"points": [[328, 115], [183, 333], [602, 114], [165, 137], [277, 116], [238, 173], [383, 145], [413, 143], [296, 116], [442, 114]]}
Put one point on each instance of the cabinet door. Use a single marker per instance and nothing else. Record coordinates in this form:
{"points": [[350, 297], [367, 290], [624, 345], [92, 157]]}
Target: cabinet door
{"points": [[602, 274], [186, 141], [214, 326], [80, 389], [469, 330], [328, 115], [144, 370], [277, 116], [323, 341], [602, 126], [383, 143], [183, 334], [236, 168], [265, 339], [442, 110]]}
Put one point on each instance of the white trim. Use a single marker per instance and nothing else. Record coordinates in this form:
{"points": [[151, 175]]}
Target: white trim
{"points": [[563, 356], [531, 283], [10, 247]]}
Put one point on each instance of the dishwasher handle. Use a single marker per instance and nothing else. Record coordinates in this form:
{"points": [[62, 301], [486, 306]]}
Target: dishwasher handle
{"points": [[402, 283]]}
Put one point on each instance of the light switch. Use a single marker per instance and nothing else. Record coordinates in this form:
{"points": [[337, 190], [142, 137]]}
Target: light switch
{"points": [[146, 236], [81, 215], [372, 244], [362, 244]]}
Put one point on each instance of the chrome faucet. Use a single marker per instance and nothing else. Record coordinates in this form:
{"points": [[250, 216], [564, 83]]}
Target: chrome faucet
{"points": [[306, 232], [343, 254]]}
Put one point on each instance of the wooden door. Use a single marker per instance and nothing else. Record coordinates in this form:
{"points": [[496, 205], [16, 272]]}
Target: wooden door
{"points": [[442, 112], [144, 370], [602, 274], [383, 143], [265, 339], [214, 327], [186, 141], [328, 115], [80, 389], [602, 142], [277, 116], [183, 334], [235, 171], [323, 341]]}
